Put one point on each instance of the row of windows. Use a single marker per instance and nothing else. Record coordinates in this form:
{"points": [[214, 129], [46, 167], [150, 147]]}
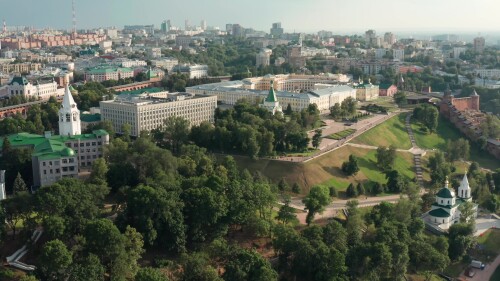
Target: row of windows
{"points": [[58, 171]]}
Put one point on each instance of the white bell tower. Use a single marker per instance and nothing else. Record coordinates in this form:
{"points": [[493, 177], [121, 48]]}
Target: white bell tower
{"points": [[464, 191], [69, 116]]}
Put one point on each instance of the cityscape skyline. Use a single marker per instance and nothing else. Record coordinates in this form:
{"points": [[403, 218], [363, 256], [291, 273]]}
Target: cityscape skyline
{"points": [[296, 16]]}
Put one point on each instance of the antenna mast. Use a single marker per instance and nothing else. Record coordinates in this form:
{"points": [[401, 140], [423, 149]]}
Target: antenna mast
{"points": [[74, 18], [4, 28]]}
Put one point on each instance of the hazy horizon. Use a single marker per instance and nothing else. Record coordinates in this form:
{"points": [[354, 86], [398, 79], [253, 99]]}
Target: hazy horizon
{"points": [[425, 17]]}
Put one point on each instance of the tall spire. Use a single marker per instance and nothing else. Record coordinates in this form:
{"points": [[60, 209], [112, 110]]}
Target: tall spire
{"points": [[69, 115]]}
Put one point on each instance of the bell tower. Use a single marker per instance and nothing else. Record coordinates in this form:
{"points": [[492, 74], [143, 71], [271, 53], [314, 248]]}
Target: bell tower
{"points": [[69, 116]]}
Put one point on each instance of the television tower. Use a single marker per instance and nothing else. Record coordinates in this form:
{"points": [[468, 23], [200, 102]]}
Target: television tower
{"points": [[4, 28], [74, 18]]}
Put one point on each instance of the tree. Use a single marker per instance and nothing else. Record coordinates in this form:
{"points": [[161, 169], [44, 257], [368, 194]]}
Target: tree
{"points": [[348, 106], [288, 110], [386, 157], [400, 98], [296, 188], [350, 167], [439, 168], [150, 274], [88, 268], [351, 191], [282, 185], [427, 115], [126, 131], [197, 267], [315, 202], [175, 132], [460, 239], [360, 189], [286, 213], [98, 175], [457, 150], [316, 139], [19, 184], [248, 265], [467, 213], [54, 261], [336, 111], [354, 223]]}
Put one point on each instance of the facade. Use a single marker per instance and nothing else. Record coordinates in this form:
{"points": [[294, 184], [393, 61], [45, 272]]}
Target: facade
{"points": [[398, 54], [461, 104], [276, 30], [271, 102], [69, 116], [146, 114], [194, 71], [487, 73], [323, 95], [387, 90], [479, 43], [20, 86], [263, 58], [108, 73], [20, 67], [445, 211], [366, 92], [165, 63], [2, 185]]}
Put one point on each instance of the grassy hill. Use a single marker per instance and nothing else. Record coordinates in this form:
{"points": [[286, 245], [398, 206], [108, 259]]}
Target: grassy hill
{"points": [[325, 170], [446, 131], [391, 132]]}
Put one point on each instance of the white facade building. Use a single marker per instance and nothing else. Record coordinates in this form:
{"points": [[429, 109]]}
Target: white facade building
{"points": [[165, 63], [263, 57], [194, 71], [445, 211], [21, 86], [69, 116], [146, 114], [487, 73]]}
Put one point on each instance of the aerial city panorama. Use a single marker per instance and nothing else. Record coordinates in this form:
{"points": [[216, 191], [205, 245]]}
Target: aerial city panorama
{"points": [[218, 140]]}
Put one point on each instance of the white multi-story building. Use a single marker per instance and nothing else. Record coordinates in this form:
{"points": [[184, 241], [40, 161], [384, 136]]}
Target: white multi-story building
{"points": [[154, 53], [104, 74], [487, 73], [146, 114], [22, 87], [457, 51], [398, 55], [133, 63], [323, 95], [263, 58], [165, 63], [194, 71]]}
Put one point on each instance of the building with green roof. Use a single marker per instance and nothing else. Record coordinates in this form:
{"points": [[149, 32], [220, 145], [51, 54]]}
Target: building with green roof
{"points": [[445, 211], [104, 73], [271, 102], [55, 157]]}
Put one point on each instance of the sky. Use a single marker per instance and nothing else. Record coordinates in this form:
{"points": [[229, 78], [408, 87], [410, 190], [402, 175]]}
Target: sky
{"points": [[343, 17]]}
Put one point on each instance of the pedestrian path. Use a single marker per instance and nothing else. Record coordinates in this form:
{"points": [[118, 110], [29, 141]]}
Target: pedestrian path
{"points": [[417, 156]]}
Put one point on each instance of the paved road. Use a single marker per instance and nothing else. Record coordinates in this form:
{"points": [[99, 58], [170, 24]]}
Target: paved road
{"points": [[331, 210], [485, 274]]}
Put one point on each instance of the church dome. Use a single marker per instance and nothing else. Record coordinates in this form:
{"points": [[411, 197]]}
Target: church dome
{"points": [[67, 152], [446, 193]]}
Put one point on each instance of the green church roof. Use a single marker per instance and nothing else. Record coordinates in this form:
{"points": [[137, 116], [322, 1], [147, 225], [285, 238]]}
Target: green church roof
{"points": [[19, 80], [271, 97], [445, 193], [439, 213]]}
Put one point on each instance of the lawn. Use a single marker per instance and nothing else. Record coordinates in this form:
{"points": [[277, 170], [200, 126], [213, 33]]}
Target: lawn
{"points": [[390, 132], [496, 274], [342, 134], [490, 240], [446, 131], [325, 170]]}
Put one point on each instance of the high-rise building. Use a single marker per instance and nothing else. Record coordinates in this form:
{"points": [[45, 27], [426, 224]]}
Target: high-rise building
{"points": [[398, 54], [389, 38], [69, 116], [276, 30], [479, 43], [203, 24], [186, 25], [164, 27]]}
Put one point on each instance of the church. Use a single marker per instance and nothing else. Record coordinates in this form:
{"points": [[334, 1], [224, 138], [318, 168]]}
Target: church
{"points": [[64, 155], [271, 102], [445, 211]]}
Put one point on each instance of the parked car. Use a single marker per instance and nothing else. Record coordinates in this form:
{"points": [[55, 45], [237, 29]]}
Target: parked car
{"points": [[477, 264], [469, 272]]}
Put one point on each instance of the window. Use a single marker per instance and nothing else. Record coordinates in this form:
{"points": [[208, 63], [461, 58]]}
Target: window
{"points": [[44, 172], [58, 171], [71, 160], [43, 163], [87, 144], [82, 157], [82, 144]]}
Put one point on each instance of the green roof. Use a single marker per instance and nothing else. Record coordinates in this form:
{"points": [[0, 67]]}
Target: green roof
{"points": [[271, 97], [140, 91], [440, 213], [52, 149], [32, 140], [104, 70], [19, 80], [445, 193]]}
